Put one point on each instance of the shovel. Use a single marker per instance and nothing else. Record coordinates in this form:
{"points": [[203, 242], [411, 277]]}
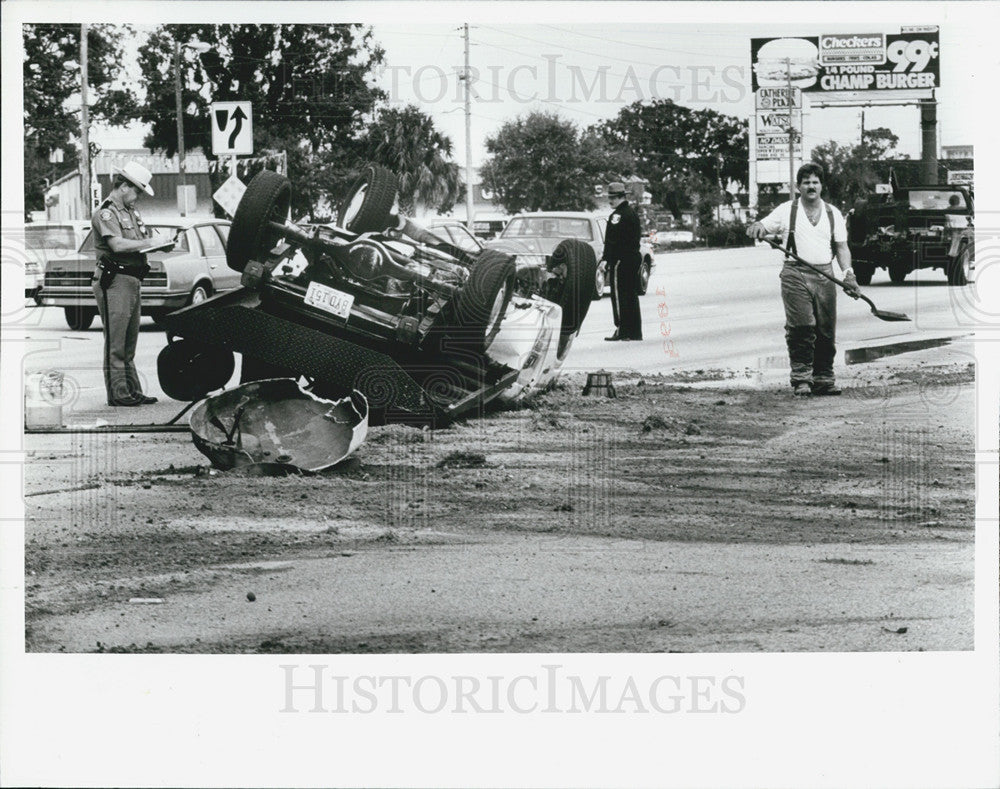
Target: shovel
{"points": [[884, 315]]}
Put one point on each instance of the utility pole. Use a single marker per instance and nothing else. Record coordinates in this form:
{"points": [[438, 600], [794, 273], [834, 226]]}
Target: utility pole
{"points": [[468, 136], [791, 132], [180, 127], [84, 125], [862, 127]]}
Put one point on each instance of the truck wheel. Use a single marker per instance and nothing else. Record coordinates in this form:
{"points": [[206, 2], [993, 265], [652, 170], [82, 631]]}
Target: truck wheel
{"points": [[897, 274], [864, 273], [267, 198], [481, 305], [644, 271], [574, 262], [79, 318], [189, 370], [368, 204], [960, 266]]}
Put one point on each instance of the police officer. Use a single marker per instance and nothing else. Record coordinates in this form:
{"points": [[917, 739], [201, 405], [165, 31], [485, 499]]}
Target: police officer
{"points": [[621, 251], [119, 234]]}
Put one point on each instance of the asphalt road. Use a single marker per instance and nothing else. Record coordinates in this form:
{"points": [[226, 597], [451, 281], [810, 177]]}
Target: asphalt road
{"points": [[722, 309]]}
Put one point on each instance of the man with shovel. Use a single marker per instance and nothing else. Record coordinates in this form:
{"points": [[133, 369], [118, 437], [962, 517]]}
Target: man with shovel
{"points": [[816, 232]]}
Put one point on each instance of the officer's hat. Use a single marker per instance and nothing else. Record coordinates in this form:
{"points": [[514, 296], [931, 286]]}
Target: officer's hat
{"points": [[616, 189], [135, 173]]}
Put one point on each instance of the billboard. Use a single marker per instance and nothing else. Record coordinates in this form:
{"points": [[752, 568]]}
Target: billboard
{"points": [[859, 62]]}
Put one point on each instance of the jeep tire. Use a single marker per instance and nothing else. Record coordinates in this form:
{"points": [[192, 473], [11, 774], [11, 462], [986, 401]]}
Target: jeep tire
{"points": [[959, 266], [864, 272], [575, 263], [480, 306], [897, 273], [267, 198], [369, 202]]}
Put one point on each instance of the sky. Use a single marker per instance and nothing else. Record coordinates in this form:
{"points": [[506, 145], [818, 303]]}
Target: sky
{"points": [[588, 72]]}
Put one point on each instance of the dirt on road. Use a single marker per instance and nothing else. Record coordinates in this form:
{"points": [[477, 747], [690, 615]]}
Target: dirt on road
{"points": [[694, 512]]}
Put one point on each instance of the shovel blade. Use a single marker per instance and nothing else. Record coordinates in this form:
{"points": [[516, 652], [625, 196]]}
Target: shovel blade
{"points": [[889, 316]]}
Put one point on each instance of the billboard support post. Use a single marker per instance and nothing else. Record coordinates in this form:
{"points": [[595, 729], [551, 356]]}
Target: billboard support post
{"points": [[928, 141], [791, 132]]}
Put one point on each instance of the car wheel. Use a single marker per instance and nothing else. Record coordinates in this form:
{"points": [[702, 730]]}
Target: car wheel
{"points": [[199, 293], [864, 273], [600, 280], [574, 263], [960, 267], [644, 271], [79, 318], [368, 204], [189, 370], [267, 199], [898, 273], [480, 306]]}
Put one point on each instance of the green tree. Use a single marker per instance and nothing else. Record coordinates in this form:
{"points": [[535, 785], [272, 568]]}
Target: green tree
{"points": [[51, 77], [311, 87], [541, 161], [852, 170], [686, 155], [405, 141]]}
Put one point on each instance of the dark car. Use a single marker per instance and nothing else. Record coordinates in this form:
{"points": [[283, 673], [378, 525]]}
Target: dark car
{"points": [[917, 227], [383, 306]]}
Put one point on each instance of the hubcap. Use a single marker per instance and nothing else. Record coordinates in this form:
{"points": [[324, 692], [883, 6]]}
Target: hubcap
{"points": [[198, 296], [354, 208]]}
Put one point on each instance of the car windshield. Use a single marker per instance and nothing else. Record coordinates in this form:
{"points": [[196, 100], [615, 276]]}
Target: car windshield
{"points": [[49, 237], [548, 227], [158, 233], [936, 200]]}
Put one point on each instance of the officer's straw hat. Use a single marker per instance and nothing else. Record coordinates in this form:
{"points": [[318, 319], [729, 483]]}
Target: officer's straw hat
{"points": [[616, 189], [138, 175]]}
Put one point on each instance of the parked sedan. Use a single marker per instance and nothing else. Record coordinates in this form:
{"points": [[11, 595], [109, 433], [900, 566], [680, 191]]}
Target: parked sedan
{"points": [[45, 241], [534, 236], [193, 271]]}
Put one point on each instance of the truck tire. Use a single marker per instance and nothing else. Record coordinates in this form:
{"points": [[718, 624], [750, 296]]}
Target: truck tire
{"points": [[368, 205], [898, 273], [267, 198], [188, 370], [864, 272], [480, 306], [575, 262], [959, 267], [79, 318]]}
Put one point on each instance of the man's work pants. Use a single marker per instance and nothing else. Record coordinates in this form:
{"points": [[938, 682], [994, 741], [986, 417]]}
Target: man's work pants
{"points": [[119, 307], [810, 324]]}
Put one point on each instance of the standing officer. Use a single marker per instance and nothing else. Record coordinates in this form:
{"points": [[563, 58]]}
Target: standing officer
{"points": [[621, 251], [119, 234]]}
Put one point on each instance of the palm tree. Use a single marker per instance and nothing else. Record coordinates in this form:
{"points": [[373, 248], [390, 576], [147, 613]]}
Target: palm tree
{"points": [[405, 141]]}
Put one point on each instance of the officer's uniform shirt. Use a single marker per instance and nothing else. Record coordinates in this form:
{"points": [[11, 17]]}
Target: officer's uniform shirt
{"points": [[621, 239], [114, 218]]}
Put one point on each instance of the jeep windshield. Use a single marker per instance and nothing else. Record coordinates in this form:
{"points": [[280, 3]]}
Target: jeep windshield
{"points": [[548, 227], [936, 200]]}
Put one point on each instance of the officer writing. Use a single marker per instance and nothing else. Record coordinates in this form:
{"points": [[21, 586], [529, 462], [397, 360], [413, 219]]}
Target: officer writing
{"points": [[621, 251], [816, 232], [119, 235]]}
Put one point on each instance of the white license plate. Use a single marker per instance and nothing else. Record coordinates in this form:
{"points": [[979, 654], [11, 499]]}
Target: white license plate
{"points": [[329, 299]]}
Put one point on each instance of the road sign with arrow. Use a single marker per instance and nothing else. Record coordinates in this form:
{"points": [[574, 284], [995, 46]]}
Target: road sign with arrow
{"points": [[232, 128]]}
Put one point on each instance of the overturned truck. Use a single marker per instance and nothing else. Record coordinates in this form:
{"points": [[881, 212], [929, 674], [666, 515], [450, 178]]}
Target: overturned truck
{"points": [[374, 303]]}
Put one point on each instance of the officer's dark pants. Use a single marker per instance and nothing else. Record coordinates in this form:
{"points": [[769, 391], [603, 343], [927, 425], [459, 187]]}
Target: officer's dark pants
{"points": [[810, 324], [625, 298], [119, 307]]}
